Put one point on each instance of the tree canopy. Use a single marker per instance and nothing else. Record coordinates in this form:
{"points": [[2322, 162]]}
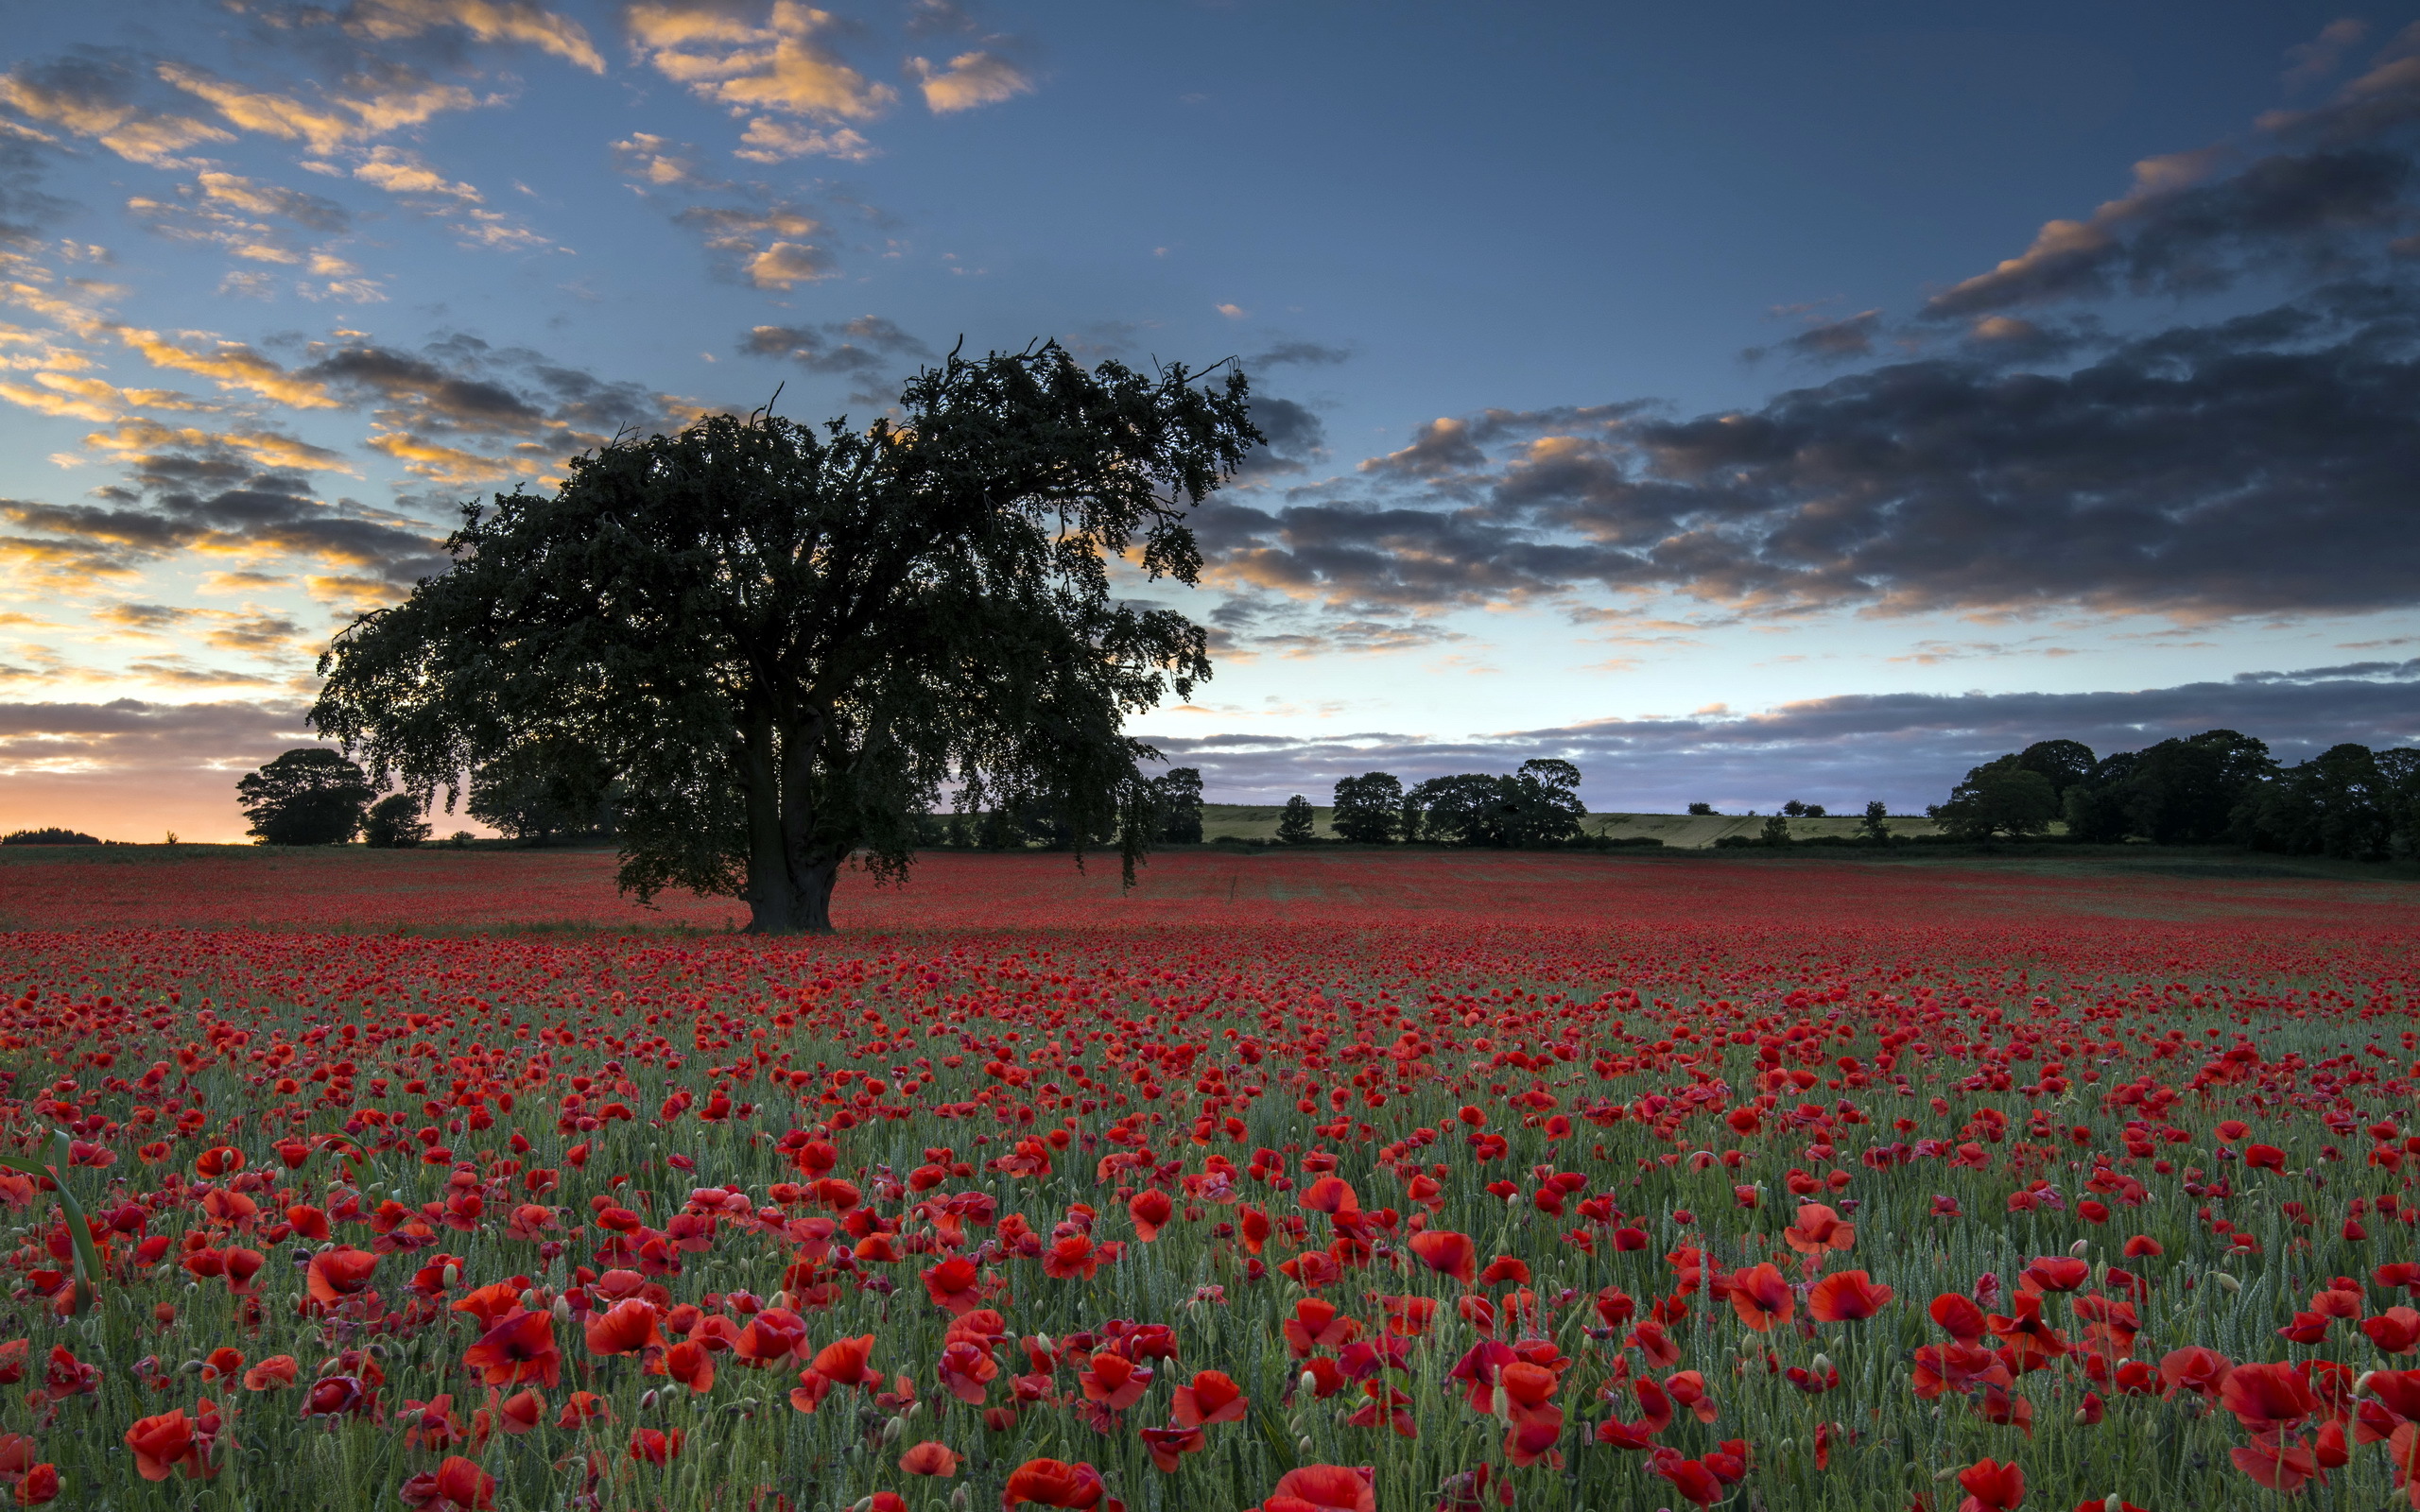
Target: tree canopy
{"points": [[2004, 797], [310, 795], [783, 645]]}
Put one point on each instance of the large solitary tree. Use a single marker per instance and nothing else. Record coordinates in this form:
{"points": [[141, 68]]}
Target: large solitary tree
{"points": [[783, 645]]}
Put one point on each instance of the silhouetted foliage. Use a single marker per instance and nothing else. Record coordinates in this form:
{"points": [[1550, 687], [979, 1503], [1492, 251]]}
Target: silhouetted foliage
{"points": [[2064, 762], [1538, 805], [2001, 798], [1298, 824], [787, 643], [312, 796], [1176, 798], [48, 836], [1875, 825], [395, 822], [2348, 802], [1701, 810], [2178, 792], [1369, 808]]}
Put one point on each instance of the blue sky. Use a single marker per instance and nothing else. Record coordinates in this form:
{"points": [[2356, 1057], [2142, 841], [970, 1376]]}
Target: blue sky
{"points": [[1749, 401]]}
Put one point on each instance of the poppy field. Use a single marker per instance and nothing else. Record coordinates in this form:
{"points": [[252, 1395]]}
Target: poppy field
{"points": [[1300, 1184]]}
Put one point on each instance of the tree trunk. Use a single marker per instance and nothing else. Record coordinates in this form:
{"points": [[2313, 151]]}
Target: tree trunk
{"points": [[790, 898], [789, 880]]}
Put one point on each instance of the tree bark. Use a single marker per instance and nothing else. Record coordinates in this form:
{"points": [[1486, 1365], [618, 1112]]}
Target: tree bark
{"points": [[789, 879]]}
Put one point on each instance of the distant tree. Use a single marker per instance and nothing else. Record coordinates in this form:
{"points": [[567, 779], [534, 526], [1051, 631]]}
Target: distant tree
{"points": [[2340, 803], [1776, 830], [787, 643], [1998, 797], [1793, 809], [2097, 807], [1298, 824], [394, 822], [2194, 791], [48, 836], [2399, 782], [1176, 798], [2066, 763], [1368, 808], [312, 796], [1701, 810], [1538, 805], [1876, 823], [1815, 811]]}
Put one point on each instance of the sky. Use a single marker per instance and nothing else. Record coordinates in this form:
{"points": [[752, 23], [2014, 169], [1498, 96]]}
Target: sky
{"points": [[1745, 403]]}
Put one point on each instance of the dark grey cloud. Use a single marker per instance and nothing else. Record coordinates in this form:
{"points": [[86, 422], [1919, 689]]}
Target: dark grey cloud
{"points": [[863, 348], [432, 395], [1296, 438], [25, 210], [130, 734], [1296, 353], [1839, 341], [2317, 214], [1906, 749], [2261, 464]]}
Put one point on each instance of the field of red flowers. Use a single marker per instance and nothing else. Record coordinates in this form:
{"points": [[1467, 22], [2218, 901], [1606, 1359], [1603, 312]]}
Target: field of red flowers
{"points": [[1307, 1183]]}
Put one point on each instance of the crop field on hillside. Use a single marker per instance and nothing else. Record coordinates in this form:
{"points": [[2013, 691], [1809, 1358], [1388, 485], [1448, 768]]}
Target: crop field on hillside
{"points": [[1309, 1183]]}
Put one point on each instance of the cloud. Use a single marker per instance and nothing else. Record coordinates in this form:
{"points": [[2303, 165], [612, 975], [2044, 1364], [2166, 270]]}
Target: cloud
{"points": [[92, 96], [371, 105], [661, 163], [1296, 353], [769, 141], [232, 364], [782, 67], [2315, 191], [487, 21], [866, 345], [1830, 340], [766, 245], [971, 79], [130, 768], [2173, 235], [1906, 749], [2258, 465], [2311, 62], [1296, 437], [401, 173]]}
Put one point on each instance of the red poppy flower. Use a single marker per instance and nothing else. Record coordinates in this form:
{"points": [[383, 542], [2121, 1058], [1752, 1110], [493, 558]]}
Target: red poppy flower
{"points": [[929, 1458], [1818, 1228], [338, 1273], [1761, 1297], [520, 1348], [1212, 1398], [1150, 1208], [1991, 1487], [1329, 1487], [626, 1328], [166, 1444], [1447, 1253], [2268, 1397], [1847, 1297], [844, 1361], [1053, 1483], [1168, 1446]]}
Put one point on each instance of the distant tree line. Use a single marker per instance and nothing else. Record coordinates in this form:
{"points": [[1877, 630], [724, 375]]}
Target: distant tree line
{"points": [[2219, 786], [314, 796]]}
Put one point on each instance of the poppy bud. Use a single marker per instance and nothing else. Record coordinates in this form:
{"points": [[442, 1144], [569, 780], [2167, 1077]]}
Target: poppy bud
{"points": [[2226, 1282], [563, 1308], [646, 1400], [892, 1429], [2361, 1384], [2113, 1503], [864, 1504], [960, 1500], [2079, 1249], [530, 1297], [1304, 1446], [1500, 1406], [1822, 1366], [1948, 1472]]}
